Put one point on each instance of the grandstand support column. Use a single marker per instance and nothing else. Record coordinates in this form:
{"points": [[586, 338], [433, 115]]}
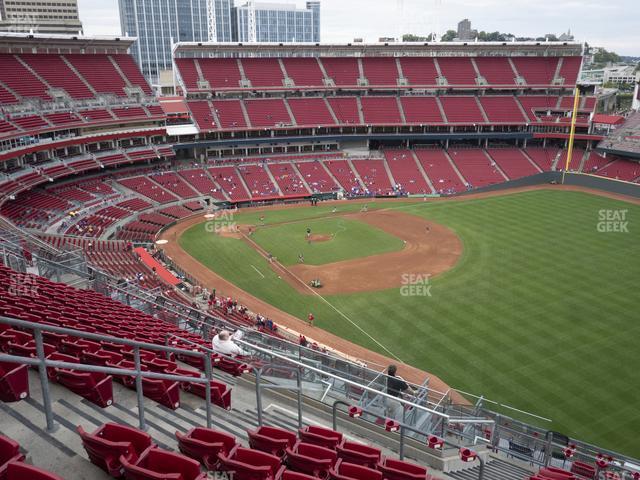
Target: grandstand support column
{"points": [[139, 392], [44, 380]]}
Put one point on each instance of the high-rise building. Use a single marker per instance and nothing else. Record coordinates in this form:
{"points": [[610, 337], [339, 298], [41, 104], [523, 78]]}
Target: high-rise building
{"points": [[277, 22], [158, 24], [220, 20], [464, 30], [42, 16]]}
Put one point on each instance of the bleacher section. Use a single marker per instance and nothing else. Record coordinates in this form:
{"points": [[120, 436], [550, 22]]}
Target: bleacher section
{"points": [[405, 172], [476, 167]]}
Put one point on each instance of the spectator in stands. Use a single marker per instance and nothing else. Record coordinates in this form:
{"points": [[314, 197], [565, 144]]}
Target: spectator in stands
{"points": [[224, 343], [396, 387]]}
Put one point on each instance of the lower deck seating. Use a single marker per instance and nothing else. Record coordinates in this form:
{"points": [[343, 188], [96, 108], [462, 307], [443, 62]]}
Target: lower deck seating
{"points": [[513, 162], [406, 174], [342, 172], [476, 167], [316, 176], [287, 178], [374, 176], [443, 177]]}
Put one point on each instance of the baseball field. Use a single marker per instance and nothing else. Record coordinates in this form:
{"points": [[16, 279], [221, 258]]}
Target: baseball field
{"points": [[528, 298]]}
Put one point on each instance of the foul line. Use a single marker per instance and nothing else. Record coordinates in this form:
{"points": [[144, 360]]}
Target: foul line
{"points": [[259, 272], [261, 251]]}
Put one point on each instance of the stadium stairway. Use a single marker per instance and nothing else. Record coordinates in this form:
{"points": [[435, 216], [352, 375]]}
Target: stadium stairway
{"points": [[496, 469], [61, 452]]}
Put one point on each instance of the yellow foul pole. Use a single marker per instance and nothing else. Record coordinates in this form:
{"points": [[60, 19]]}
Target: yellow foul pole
{"points": [[574, 117]]}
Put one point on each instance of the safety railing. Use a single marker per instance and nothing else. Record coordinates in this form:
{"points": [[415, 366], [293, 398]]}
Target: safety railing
{"points": [[42, 362]]}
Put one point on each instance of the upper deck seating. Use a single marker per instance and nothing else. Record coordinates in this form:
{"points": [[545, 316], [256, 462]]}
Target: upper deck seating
{"points": [[310, 111], [502, 109], [57, 73], [496, 70], [461, 110], [267, 112], [99, 72], [419, 71], [221, 73], [457, 70], [263, 72], [304, 71], [345, 110], [536, 70], [343, 70], [380, 71], [381, 111], [230, 114], [421, 110], [20, 80]]}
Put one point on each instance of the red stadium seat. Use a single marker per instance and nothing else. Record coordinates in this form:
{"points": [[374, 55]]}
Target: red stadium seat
{"points": [[285, 474], [165, 392], [249, 464], [95, 387], [204, 444], [109, 442], [22, 471], [583, 469], [9, 452], [158, 464], [311, 459], [358, 453], [14, 382], [351, 471], [400, 470], [556, 473], [324, 437], [271, 440]]}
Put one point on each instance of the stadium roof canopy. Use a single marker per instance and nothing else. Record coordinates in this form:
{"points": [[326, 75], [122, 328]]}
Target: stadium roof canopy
{"points": [[12, 42], [434, 49]]}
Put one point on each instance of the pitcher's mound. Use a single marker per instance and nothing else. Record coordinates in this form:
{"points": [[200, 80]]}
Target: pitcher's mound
{"points": [[320, 238]]}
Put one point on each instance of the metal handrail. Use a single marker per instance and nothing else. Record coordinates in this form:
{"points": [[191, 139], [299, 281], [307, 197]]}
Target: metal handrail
{"points": [[42, 362], [352, 383]]}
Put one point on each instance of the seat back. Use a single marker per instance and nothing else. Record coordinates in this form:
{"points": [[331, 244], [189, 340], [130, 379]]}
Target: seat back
{"points": [[393, 469], [345, 470], [23, 471], [165, 462]]}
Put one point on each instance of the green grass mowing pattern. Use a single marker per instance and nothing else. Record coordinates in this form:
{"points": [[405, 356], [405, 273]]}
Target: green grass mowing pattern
{"points": [[539, 313], [349, 239]]}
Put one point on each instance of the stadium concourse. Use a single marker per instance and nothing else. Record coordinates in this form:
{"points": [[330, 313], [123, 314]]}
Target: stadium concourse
{"points": [[103, 359]]}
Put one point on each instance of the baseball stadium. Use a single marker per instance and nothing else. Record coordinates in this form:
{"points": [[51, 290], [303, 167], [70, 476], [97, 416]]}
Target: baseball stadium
{"points": [[387, 261]]}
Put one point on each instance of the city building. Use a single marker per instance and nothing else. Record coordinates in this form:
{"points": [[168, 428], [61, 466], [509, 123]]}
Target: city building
{"points": [[42, 16], [220, 13], [464, 30], [158, 24], [617, 74], [277, 22]]}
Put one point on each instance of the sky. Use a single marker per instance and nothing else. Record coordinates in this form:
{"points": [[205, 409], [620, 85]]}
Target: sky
{"points": [[612, 24]]}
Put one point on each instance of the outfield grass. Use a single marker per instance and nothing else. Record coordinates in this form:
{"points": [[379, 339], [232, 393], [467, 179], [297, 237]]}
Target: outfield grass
{"points": [[540, 312], [349, 239]]}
